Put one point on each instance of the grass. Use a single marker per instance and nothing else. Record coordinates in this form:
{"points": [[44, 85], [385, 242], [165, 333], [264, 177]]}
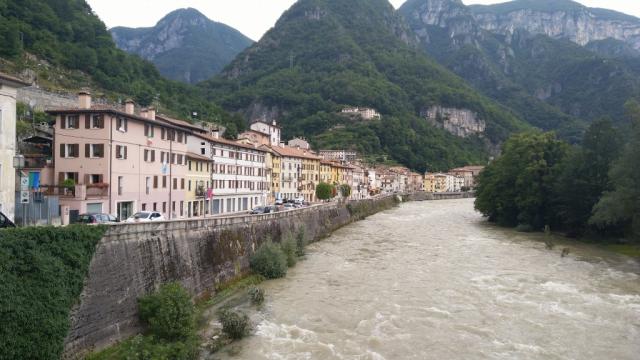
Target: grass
{"points": [[631, 250]]}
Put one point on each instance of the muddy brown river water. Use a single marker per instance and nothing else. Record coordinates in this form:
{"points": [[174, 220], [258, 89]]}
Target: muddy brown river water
{"points": [[432, 280]]}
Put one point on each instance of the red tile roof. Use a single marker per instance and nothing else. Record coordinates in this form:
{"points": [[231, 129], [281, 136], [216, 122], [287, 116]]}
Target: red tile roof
{"points": [[295, 152]]}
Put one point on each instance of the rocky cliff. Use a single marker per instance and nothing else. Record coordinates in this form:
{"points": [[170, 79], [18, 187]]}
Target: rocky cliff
{"points": [[559, 19], [459, 122], [185, 45]]}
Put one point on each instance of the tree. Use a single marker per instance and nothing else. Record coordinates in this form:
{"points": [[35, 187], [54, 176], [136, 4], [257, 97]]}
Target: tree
{"points": [[169, 313], [345, 190], [620, 207], [585, 176], [324, 191], [516, 189]]}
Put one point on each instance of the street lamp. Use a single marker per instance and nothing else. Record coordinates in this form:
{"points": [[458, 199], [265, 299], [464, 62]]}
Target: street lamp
{"points": [[18, 162]]}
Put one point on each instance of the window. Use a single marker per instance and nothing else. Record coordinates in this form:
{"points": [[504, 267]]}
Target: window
{"points": [[121, 152], [95, 121], [164, 207], [148, 130], [179, 136], [203, 151], [181, 184], [155, 206], [163, 133], [69, 150], [144, 207], [147, 185], [120, 185], [94, 179], [180, 161], [175, 184], [189, 188], [94, 151], [164, 182], [70, 122], [189, 165], [181, 208], [121, 124], [173, 158], [155, 183]]}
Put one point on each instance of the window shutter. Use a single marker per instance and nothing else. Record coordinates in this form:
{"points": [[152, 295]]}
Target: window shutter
{"points": [[76, 148], [146, 155], [63, 121], [60, 178], [62, 151], [125, 125], [162, 133], [153, 156], [101, 150], [87, 121], [101, 121], [125, 150], [87, 179], [87, 150]]}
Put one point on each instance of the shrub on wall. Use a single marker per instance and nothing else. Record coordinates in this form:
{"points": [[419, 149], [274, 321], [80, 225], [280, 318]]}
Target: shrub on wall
{"points": [[290, 250], [169, 312], [269, 261], [42, 271]]}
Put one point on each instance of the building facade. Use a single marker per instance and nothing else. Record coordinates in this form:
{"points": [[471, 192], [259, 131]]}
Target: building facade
{"points": [[8, 92], [109, 160]]}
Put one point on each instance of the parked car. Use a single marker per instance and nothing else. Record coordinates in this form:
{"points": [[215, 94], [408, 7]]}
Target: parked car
{"points": [[260, 210], [96, 219], [279, 201], [146, 216], [289, 206], [5, 222]]}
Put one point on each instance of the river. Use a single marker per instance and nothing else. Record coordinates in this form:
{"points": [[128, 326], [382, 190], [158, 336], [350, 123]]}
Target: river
{"points": [[433, 280]]}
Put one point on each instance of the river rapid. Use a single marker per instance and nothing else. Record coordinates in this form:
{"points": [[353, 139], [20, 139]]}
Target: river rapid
{"points": [[433, 280]]}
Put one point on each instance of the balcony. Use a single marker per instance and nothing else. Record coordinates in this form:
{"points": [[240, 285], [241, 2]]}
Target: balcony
{"points": [[77, 192], [201, 191]]}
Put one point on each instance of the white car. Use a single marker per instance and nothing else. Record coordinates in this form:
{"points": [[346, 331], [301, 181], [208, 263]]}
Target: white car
{"points": [[145, 216]]}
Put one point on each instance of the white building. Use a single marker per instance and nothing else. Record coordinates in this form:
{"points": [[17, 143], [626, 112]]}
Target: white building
{"points": [[239, 174], [365, 113], [273, 130], [339, 155], [8, 91]]}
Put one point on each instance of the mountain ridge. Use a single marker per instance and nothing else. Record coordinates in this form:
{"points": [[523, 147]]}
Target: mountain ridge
{"points": [[210, 45]]}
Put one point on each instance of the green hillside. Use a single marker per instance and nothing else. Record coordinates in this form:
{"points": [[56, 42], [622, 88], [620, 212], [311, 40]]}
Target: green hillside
{"points": [[77, 51], [326, 54]]}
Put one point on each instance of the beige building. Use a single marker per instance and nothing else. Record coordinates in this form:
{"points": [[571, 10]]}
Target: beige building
{"points": [[8, 92]]}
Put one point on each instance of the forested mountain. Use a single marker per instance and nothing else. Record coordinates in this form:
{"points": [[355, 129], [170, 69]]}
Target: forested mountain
{"points": [[185, 45], [553, 83], [66, 35], [323, 55]]}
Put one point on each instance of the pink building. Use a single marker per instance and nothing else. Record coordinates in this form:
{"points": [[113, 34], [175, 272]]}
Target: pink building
{"points": [[110, 160]]}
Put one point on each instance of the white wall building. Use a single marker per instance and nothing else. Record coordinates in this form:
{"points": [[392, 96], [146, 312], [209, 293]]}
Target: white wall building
{"points": [[365, 113], [8, 92], [239, 174], [273, 130], [339, 155]]}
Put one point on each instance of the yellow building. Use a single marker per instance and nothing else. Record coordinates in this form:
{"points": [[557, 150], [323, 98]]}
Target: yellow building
{"points": [[429, 183], [274, 172], [326, 174], [310, 177], [300, 173], [199, 169]]}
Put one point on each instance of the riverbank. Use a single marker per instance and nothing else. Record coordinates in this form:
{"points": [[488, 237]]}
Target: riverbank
{"points": [[202, 255]]}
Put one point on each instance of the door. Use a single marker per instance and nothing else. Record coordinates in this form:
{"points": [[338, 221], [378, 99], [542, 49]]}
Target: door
{"points": [[125, 210]]}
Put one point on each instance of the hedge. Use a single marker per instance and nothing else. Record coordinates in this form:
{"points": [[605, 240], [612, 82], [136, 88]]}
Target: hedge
{"points": [[42, 271]]}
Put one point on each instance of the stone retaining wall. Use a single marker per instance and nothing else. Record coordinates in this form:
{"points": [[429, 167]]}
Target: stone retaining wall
{"points": [[135, 259]]}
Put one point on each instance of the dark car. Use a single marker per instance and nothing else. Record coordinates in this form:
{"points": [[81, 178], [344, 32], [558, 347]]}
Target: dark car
{"points": [[264, 210], [97, 219], [5, 222]]}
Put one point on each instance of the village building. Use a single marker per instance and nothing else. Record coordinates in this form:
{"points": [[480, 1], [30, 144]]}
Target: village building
{"points": [[239, 173], [8, 91], [199, 180], [112, 160], [339, 155], [300, 171], [299, 143], [364, 112]]}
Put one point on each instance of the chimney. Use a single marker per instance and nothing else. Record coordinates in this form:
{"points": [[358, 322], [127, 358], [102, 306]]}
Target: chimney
{"points": [[129, 106], [273, 123], [152, 113], [84, 99], [215, 133], [144, 112]]}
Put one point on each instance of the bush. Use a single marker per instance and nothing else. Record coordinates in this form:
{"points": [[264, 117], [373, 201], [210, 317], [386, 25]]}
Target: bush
{"points": [[150, 348], [290, 250], [345, 190], [235, 324], [269, 261], [257, 295], [325, 191], [169, 313], [42, 271], [301, 242]]}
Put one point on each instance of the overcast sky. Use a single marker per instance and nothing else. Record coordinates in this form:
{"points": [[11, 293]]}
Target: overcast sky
{"points": [[252, 17]]}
